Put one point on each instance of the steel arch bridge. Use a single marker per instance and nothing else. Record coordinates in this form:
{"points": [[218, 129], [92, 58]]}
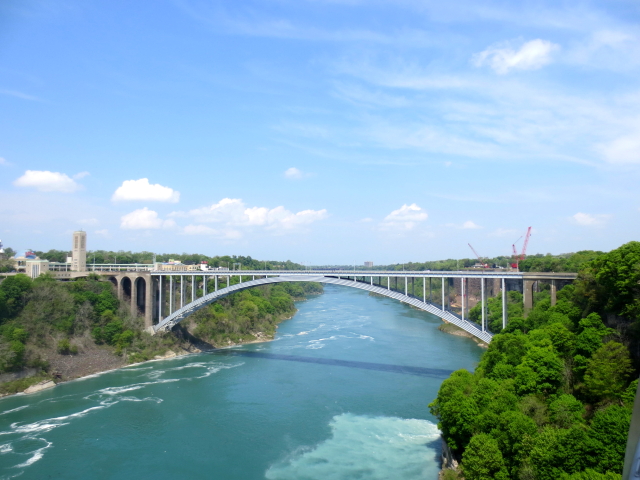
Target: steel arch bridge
{"points": [[182, 313]]}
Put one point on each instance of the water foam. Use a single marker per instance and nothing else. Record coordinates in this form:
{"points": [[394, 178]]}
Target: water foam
{"points": [[36, 454], [368, 448], [15, 409]]}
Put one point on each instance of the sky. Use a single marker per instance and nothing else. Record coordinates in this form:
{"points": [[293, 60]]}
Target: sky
{"points": [[320, 131]]}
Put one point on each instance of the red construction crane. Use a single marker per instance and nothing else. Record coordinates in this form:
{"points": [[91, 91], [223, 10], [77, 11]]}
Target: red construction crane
{"points": [[518, 257], [484, 265]]}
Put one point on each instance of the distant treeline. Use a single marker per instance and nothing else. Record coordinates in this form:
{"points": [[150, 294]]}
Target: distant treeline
{"points": [[122, 257], [566, 262]]}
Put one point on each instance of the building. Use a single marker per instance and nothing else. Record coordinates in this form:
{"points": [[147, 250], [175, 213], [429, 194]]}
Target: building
{"points": [[79, 252], [368, 264], [30, 264]]}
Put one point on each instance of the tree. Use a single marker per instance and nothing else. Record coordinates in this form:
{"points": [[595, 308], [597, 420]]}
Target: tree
{"points": [[566, 410], [608, 372], [482, 459], [14, 288], [611, 282], [610, 427], [540, 372]]}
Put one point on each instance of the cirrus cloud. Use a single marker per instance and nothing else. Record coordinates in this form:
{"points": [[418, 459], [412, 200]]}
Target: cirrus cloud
{"points": [[503, 58], [132, 190], [46, 181]]}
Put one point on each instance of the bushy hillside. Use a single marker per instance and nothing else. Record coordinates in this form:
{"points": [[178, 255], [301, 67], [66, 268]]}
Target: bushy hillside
{"points": [[44, 321], [552, 395]]}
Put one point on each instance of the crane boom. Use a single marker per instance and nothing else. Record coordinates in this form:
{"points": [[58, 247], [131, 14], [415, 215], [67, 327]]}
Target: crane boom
{"points": [[518, 257], [485, 265], [526, 243]]}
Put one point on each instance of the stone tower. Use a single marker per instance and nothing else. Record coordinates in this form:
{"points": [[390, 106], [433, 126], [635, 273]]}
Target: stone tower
{"points": [[79, 252]]}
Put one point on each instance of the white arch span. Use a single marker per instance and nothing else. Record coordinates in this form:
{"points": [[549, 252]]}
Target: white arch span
{"points": [[179, 315]]}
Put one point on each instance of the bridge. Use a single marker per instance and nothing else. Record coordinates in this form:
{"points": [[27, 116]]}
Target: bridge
{"points": [[165, 298]]}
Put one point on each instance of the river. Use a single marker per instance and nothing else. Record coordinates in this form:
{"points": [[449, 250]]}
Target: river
{"points": [[341, 393]]}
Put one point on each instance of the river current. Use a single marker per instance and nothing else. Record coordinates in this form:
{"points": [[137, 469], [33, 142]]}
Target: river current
{"points": [[340, 394]]}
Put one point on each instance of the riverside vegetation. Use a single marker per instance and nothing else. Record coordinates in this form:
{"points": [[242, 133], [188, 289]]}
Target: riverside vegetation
{"points": [[47, 327], [552, 396]]}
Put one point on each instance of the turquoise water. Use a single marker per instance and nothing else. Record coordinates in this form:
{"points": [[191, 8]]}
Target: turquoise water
{"points": [[332, 397]]}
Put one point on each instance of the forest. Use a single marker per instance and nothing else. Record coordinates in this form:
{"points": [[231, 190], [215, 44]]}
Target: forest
{"points": [[43, 319], [552, 396]]}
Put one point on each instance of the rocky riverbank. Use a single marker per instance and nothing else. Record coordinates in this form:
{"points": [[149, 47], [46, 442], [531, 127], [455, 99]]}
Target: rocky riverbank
{"points": [[452, 329]]}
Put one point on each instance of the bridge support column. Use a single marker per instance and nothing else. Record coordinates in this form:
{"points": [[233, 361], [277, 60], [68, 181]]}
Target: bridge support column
{"points": [[204, 284], [504, 304], [134, 297], [406, 286], [193, 288], [443, 309], [527, 293], [554, 292], [181, 291], [171, 294], [424, 289], [215, 279], [149, 297], [160, 286], [462, 296], [388, 283], [482, 301]]}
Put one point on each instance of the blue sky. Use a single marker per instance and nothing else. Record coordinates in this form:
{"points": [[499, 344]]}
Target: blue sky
{"points": [[322, 131]]}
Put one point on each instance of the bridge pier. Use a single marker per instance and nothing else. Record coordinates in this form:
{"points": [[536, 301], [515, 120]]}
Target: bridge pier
{"points": [[462, 280], [133, 305], [482, 302], [527, 293], [504, 304], [149, 302], [554, 292]]}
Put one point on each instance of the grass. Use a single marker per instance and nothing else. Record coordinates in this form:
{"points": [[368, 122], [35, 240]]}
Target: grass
{"points": [[22, 384]]}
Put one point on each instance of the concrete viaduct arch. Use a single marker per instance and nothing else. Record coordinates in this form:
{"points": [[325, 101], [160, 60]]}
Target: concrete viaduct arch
{"points": [[182, 313], [137, 289]]}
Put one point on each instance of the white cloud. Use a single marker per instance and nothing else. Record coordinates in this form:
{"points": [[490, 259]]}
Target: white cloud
{"points": [[4, 162], [470, 225], [144, 218], [502, 57], [406, 217], [233, 212], [589, 220], [142, 190], [466, 225], [46, 181], [80, 175], [102, 233], [624, 149], [293, 173]]}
